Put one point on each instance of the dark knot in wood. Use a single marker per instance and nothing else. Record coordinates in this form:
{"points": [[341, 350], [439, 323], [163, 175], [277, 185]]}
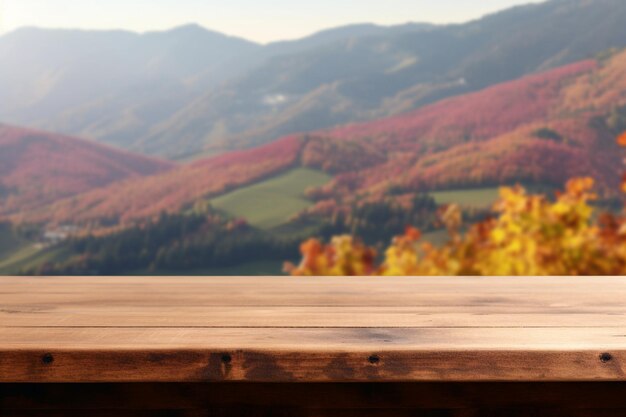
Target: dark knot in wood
{"points": [[374, 359]]}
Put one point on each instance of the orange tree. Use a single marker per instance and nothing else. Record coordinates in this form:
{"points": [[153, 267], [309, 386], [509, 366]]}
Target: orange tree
{"points": [[528, 235]]}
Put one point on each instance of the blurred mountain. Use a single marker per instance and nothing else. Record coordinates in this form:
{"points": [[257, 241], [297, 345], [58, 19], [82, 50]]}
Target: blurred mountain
{"points": [[367, 77], [190, 92], [340, 34], [109, 85], [113, 86]]}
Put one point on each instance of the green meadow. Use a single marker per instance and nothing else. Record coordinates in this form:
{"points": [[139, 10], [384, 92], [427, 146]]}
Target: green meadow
{"points": [[272, 202], [476, 198]]}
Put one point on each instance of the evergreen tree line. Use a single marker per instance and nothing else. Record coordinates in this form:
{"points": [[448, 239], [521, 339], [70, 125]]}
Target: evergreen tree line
{"points": [[173, 243], [378, 222]]}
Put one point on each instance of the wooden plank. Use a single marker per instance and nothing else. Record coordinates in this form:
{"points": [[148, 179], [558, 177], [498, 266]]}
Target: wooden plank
{"points": [[250, 316], [570, 292], [285, 367], [312, 329], [316, 339]]}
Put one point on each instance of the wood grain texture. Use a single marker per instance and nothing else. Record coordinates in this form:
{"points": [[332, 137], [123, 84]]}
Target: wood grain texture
{"points": [[156, 329]]}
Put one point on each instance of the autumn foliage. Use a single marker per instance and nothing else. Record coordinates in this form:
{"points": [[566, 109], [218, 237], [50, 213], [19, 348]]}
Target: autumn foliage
{"points": [[125, 202], [543, 128], [492, 136], [528, 235], [540, 129], [39, 168]]}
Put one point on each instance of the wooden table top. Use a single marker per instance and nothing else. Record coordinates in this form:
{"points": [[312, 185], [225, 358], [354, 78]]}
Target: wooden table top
{"points": [[158, 329]]}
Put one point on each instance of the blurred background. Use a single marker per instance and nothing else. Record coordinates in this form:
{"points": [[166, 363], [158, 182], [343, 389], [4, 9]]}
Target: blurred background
{"points": [[211, 138]]}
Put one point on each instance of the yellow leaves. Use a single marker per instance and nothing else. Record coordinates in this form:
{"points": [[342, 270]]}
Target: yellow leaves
{"points": [[498, 236], [452, 218], [580, 188], [400, 261], [343, 256], [531, 236]]}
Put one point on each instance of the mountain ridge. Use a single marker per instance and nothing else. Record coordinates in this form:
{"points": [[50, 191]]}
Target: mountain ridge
{"points": [[367, 78], [112, 86], [181, 98]]}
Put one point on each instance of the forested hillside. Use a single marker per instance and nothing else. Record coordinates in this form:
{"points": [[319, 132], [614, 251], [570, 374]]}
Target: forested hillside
{"points": [[38, 168], [541, 129], [369, 77]]}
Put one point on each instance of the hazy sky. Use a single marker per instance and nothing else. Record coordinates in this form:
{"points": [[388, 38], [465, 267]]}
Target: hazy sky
{"points": [[259, 20]]}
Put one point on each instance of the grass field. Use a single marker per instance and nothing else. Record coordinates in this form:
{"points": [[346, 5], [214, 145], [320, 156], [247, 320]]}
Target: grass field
{"points": [[30, 256], [9, 243], [271, 203], [18, 253], [483, 198], [478, 198], [12, 248]]}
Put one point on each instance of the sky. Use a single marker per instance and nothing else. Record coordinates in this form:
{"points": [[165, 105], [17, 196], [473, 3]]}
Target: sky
{"points": [[257, 20]]}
